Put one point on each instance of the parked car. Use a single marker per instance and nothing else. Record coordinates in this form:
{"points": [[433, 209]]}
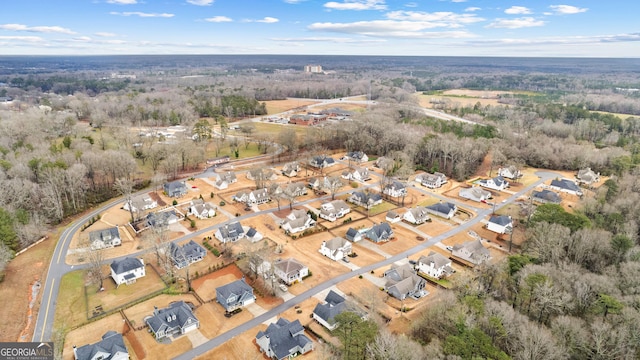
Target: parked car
{"points": [[450, 248], [283, 287]]}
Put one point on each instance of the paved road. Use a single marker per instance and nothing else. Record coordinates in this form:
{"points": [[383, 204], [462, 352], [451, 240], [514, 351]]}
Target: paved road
{"points": [[226, 336]]}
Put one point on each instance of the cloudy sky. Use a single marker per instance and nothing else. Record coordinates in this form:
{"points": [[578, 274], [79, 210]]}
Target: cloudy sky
{"points": [[588, 28]]}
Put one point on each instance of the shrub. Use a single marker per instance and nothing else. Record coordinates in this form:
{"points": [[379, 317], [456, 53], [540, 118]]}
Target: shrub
{"points": [[360, 277], [175, 202], [215, 252], [222, 203], [211, 195], [193, 224]]}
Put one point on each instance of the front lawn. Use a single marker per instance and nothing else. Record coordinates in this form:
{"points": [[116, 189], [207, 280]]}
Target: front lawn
{"points": [[71, 308]]}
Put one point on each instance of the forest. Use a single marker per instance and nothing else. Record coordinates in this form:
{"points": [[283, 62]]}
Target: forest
{"points": [[572, 292]]}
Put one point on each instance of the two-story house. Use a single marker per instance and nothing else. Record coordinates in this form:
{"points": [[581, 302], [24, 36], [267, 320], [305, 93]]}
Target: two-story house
{"points": [[230, 232], [297, 221], [500, 224], [395, 189], [106, 238], [201, 209], [334, 210], [175, 189], [234, 295], [402, 282], [127, 270], [186, 254], [284, 340], [111, 347], [290, 271], [431, 181], [379, 233], [416, 216], [496, 183], [336, 249], [364, 199], [177, 318], [472, 251], [443, 209], [434, 265]]}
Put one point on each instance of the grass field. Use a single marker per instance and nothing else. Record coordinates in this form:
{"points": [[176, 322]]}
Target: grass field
{"points": [[71, 309]]}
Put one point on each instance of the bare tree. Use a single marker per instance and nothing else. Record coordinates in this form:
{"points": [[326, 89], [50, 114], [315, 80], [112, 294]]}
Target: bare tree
{"points": [[94, 269], [125, 188], [333, 184]]}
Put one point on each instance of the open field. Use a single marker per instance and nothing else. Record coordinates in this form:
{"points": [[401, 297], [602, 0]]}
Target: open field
{"points": [[278, 106], [71, 308]]}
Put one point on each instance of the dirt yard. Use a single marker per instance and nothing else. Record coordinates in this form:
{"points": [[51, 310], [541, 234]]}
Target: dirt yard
{"points": [[278, 106], [92, 333]]}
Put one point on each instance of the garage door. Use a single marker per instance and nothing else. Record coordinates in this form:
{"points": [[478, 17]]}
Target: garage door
{"points": [[249, 301], [190, 327]]}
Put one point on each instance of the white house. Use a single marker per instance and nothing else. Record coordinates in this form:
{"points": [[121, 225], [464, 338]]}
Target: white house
{"points": [[106, 238], [497, 183], [475, 193], [393, 216], [223, 180], [566, 186], [500, 224], [472, 251], [587, 176], [357, 156], [127, 270], [510, 172], [290, 271], [336, 248], [201, 209], [334, 210], [353, 235], [435, 265], [395, 189], [290, 169], [230, 232], [443, 209], [357, 174], [297, 221], [326, 312], [140, 203], [418, 215], [432, 181], [255, 197]]}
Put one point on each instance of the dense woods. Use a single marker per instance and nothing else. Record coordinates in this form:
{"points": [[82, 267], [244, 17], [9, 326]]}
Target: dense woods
{"points": [[573, 292]]}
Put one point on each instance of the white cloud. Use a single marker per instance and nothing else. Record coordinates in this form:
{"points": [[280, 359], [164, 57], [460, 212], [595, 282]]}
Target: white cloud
{"points": [[142, 14], [356, 5], [22, 38], [458, 1], [472, 9], [268, 20], [389, 28], [82, 39], [517, 10], [40, 29], [329, 39], [570, 40], [104, 34], [567, 9], [218, 19], [123, 2], [516, 23], [200, 2], [411, 5], [436, 19]]}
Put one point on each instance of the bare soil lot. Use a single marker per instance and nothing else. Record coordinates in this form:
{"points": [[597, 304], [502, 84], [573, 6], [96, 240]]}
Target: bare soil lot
{"points": [[92, 333]]}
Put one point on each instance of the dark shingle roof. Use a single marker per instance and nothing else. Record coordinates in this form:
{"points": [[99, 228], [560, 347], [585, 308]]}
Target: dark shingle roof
{"points": [[237, 287], [125, 265], [111, 343], [182, 313], [334, 305], [285, 336], [500, 220]]}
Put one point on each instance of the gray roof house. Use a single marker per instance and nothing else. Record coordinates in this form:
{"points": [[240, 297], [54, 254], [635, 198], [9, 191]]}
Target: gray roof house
{"points": [[587, 176], [443, 209], [333, 210], [230, 232], [127, 270], [322, 161], [262, 174], [546, 197], [510, 172], [223, 180], [380, 233], [283, 339], [497, 183], [472, 251], [566, 186], [175, 188], [140, 203], [298, 220], [201, 209], [177, 318], [290, 271], [402, 282], [432, 181], [435, 265], [187, 254], [290, 169], [475, 193], [357, 156], [326, 312], [234, 295], [395, 189], [162, 218], [111, 347], [255, 197], [366, 200], [105, 238], [500, 224], [336, 248], [418, 215], [353, 235], [357, 174]]}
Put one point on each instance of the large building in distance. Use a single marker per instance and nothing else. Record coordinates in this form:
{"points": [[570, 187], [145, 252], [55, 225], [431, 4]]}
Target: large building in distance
{"points": [[315, 69]]}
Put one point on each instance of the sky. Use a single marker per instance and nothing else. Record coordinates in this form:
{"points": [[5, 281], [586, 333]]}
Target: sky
{"points": [[540, 28]]}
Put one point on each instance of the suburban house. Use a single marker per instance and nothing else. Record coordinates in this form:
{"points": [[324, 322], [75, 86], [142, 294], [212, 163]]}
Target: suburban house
{"points": [[475, 193], [472, 251], [140, 203], [353, 235], [393, 216], [366, 200], [177, 318], [107, 238], [403, 282], [263, 174], [253, 235], [546, 197], [127, 270], [259, 265], [587, 176], [187, 254], [395, 189], [234, 295], [201, 209], [255, 197], [418, 215], [566, 186], [432, 181], [111, 347], [333, 210], [284, 340], [290, 271], [357, 174], [322, 161], [295, 189], [223, 180], [230, 232], [326, 312], [336, 248], [510, 172], [175, 189], [435, 265], [297, 221], [500, 224], [379, 233], [497, 183], [162, 218], [290, 169], [443, 209], [357, 156]]}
